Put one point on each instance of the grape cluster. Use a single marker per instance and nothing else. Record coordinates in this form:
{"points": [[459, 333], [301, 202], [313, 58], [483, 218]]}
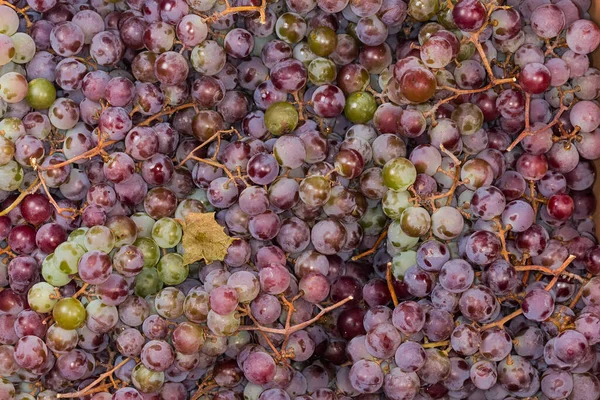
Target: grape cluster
{"points": [[407, 185]]}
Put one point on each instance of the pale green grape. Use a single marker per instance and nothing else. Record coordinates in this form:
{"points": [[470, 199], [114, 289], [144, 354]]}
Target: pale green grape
{"points": [[402, 261], [395, 202], [150, 250], [166, 232], [399, 239], [13, 87], [399, 173], [169, 303], [99, 238], [13, 128], [24, 48], [67, 256], [147, 282], [11, 176], [24, 396], [39, 297], [373, 221], [144, 224], [146, 380], [222, 325], [202, 197], [52, 272], [9, 20], [172, 270], [78, 236]]}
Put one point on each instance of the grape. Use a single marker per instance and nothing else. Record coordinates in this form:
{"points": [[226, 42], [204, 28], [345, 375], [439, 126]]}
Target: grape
{"points": [[69, 313]]}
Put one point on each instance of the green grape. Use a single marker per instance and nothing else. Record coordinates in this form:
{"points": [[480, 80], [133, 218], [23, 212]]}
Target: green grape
{"points": [[400, 239], [52, 272], [47, 395], [403, 261], [24, 396], [315, 190], [144, 224], [322, 70], [360, 107], [69, 313], [9, 20], [78, 236], [395, 202], [12, 128], [290, 27], [444, 17], [281, 118], [208, 57], [169, 303], [150, 250], [24, 48], [123, 229], [7, 51], [222, 325], [468, 117], [7, 389], [423, 10], [41, 297], [466, 51], [427, 30], [67, 256], [201, 196], [415, 221], [322, 41], [399, 173], [166, 232], [147, 282], [374, 221], [172, 270], [7, 148], [41, 94], [14, 85], [188, 206], [146, 380], [303, 53], [99, 237], [11, 176]]}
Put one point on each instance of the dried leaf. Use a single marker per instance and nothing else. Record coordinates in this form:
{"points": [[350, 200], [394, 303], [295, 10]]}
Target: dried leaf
{"points": [[204, 239]]}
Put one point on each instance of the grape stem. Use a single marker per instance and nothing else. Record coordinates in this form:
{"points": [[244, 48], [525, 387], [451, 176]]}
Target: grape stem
{"points": [[527, 132], [206, 386], [298, 327], [502, 235], [217, 136], [375, 246], [62, 211], [262, 9], [432, 345], [168, 111], [579, 293], [556, 273], [545, 270], [31, 189], [264, 335], [460, 92], [81, 290], [500, 323], [390, 283], [86, 390]]}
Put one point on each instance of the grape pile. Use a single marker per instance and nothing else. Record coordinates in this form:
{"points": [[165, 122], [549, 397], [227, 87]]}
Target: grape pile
{"points": [[405, 187]]}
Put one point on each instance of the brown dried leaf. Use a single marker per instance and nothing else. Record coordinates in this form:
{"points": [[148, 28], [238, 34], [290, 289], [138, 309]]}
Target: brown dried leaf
{"points": [[204, 239]]}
